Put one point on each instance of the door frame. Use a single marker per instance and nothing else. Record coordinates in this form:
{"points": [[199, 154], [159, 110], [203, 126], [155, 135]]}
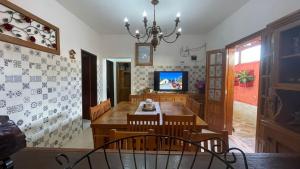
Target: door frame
{"points": [[95, 93], [112, 91], [117, 78], [229, 81]]}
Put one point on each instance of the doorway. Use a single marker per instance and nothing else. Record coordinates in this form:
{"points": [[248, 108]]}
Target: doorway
{"points": [[243, 76], [89, 82], [110, 82], [123, 81], [117, 74]]}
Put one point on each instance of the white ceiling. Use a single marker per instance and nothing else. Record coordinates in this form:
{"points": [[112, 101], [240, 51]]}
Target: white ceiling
{"points": [[197, 16]]}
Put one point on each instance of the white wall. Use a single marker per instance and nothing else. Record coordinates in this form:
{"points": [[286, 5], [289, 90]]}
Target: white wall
{"points": [[252, 17], [167, 54], [74, 34]]}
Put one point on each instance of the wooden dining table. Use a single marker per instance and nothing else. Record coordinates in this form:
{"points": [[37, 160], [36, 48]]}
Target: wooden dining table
{"points": [[116, 118]]}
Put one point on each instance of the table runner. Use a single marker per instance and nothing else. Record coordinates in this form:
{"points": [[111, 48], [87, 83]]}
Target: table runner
{"points": [[157, 110]]}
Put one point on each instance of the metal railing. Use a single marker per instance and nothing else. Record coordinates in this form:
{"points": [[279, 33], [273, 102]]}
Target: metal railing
{"points": [[161, 155]]}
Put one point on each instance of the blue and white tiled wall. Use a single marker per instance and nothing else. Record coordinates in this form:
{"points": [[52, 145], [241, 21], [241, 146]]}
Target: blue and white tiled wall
{"points": [[41, 93], [143, 76]]}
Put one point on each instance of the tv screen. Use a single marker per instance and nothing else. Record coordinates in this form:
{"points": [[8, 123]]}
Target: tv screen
{"points": [[171, 81]]}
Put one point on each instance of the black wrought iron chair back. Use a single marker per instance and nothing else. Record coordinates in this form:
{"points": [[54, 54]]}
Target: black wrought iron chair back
{"points": [[153, 158]]}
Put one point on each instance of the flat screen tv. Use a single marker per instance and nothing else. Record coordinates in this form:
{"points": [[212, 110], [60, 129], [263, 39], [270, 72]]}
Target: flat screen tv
{"points": [[171, 81]]}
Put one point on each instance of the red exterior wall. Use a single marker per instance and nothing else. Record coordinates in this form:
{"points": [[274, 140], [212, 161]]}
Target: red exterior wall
{"points": [[248, 94]]}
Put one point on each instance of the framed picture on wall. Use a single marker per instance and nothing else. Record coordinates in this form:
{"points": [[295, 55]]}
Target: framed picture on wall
{"points": [[143, 54]]}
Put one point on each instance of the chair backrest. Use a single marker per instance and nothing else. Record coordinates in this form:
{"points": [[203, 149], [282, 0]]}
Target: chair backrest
{"points": [[212, 141], [137, 142], [136, 98], [106, 105], [174, 125], [143, 122], [154, 97], [189, 103], [196, 107], [96, 112]]}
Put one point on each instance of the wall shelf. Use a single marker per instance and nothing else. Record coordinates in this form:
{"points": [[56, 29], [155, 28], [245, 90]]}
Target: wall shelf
{"points": [[290, 56], [287, 86]]}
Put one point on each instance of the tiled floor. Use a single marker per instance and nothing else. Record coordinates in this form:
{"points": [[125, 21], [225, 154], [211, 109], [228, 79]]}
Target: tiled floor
{"points": [[84, 140], [244, 124]]}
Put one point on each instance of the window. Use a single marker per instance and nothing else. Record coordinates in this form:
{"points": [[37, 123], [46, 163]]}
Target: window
{"points": [[248, 55], [236, 58], [251, 54]]}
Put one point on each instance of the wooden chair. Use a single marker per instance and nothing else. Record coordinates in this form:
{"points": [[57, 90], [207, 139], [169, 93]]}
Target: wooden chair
{"points": [[196, 106], [96, 112], [143, 122], [136, 98], [154, 97], [213, 141], [189, 103], [175, 126], [106, 105], [136, 143]]}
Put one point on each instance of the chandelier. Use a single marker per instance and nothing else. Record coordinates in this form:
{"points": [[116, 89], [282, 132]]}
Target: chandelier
{"points": [[155, 31]]}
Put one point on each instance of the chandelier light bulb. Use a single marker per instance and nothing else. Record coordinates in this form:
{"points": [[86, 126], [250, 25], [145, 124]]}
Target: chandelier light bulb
{"points": [[178, 15], [161, 34], [126, 20], [144, 14], [137, 32], [179, 30]]}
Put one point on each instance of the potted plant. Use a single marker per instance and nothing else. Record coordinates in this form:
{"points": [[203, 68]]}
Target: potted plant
{"points": [[245, 79]]}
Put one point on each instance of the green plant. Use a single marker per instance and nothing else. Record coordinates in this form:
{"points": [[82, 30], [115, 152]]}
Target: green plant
{"points": [[245, 77]]}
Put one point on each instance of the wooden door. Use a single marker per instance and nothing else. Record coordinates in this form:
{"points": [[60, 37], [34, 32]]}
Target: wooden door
{"points": [[89, 82], [110, 81], [215, 89], [123, 81]]}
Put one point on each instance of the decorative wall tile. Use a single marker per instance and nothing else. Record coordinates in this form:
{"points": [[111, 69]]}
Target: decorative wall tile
{"points": [[39, 91]]}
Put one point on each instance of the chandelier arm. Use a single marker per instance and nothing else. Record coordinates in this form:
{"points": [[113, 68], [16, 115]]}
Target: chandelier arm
{"points": [[148, 30], [146, 33], [160, 38], [173, 31], [149, 34], [142, 37], [128, 30], [159, 29], [163, 38]]}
